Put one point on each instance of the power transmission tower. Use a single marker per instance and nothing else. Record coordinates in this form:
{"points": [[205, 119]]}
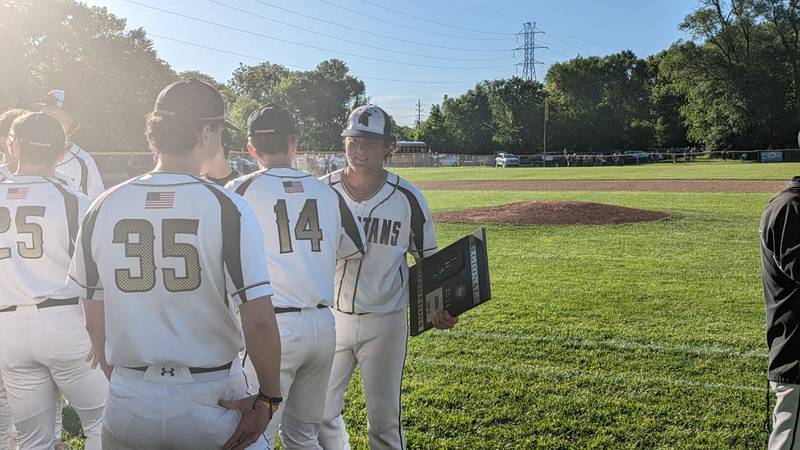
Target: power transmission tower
{"points": [[419, 113], [527, 36]]}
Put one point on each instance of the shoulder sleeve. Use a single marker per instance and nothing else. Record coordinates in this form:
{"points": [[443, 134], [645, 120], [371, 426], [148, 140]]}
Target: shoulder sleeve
{"points": [[423, 231], [94, 185], [351, 236], [243, 256], [84, 278], [780, 234]]}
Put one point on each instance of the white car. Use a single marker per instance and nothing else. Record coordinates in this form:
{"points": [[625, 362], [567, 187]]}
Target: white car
{"points": [[503, 159], [447, 160]]}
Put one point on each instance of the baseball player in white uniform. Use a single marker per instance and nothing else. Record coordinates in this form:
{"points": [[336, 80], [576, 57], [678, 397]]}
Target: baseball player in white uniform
{"points": [[165, 260], [43, 342], [307, 226], [77, 163], [372, 293]]}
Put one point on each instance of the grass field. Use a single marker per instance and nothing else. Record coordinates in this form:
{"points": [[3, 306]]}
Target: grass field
{"points": [[633, 336], [665, 171], [629, 336]]}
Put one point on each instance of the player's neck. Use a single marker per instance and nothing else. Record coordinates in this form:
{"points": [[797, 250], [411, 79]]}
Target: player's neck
{"points": [[219, 171], [179, 164], [363, 184], [35, 171], [276, 161]]}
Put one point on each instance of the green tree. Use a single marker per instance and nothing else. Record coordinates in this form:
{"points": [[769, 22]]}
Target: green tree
{"points": [[112, 75], [434, 132]]}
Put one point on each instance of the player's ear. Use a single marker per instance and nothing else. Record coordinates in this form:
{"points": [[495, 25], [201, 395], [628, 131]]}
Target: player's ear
{"points": [[252, 151]]}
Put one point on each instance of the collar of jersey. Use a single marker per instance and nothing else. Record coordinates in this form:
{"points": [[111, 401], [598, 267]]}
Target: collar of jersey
{"points": [[391, 181], [26, 179], [284, 172], [167, 179]]}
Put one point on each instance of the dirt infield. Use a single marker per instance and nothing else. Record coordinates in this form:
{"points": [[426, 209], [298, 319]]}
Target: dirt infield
{"points": [[553, 213], [610, 185]]}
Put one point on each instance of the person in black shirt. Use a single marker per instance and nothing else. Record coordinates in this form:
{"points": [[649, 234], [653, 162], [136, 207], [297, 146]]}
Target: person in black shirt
{"points": [[220, 170], [780, 270]]}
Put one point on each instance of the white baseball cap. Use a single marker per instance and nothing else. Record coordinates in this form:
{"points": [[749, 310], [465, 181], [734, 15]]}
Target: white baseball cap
{"points": [[369, 122]]}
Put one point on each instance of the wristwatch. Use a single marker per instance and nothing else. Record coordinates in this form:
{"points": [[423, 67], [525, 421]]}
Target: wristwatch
{"points": [[273, 403]]}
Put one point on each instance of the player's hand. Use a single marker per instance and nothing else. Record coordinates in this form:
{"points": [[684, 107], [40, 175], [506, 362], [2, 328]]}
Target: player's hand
{"points": [[444, 321], [252, 423], [95, 360]]}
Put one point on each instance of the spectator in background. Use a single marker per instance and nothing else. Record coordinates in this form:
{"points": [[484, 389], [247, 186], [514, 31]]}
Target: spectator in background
{"points": [[220, 171]]}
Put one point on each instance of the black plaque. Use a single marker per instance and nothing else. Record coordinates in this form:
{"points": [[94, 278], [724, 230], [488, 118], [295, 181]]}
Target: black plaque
{"points": [[455, 279]]}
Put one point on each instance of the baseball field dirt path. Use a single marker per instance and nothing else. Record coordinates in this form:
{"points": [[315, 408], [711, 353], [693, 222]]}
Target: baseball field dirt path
{"points": [[610, 185]]}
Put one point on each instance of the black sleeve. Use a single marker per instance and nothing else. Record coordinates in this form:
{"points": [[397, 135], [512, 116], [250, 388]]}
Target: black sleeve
{"points": [[781, 235]]}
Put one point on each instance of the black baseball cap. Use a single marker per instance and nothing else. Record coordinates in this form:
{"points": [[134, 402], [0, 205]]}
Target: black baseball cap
{"points": [[270, 119], [39, 130], [193, 99]]}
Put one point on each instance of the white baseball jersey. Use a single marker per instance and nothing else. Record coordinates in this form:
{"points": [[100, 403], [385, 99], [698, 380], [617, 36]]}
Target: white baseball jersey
{"points": [[172, 256], [66, 180], [396, 220], [307, 227], [80, 166], [39, 220]]}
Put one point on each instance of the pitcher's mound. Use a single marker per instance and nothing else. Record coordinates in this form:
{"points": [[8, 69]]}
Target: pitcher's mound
{"points": [[552, 213]]}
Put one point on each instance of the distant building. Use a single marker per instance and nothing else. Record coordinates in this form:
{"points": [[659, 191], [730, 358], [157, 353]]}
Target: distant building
{"points": [[412, 147]]}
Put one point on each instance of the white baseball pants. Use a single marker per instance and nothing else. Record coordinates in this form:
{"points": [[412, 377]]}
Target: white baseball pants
{"points": [[145, 413], [784, 420], [6, 425], [377, 343], [307, 346], [43, 352]]}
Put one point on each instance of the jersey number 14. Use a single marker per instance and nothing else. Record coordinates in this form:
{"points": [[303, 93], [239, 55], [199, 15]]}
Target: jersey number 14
{"points": [[306, 229]]}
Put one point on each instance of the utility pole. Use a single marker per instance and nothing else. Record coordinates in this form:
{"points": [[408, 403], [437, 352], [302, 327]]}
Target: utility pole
{"points": [[419, 114], [546, 118], [528, 37]]}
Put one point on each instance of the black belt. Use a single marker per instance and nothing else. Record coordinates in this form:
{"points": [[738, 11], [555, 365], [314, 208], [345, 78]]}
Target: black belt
{"points": [[49, 303], [351, 313], [193, 369], [280, 310]]}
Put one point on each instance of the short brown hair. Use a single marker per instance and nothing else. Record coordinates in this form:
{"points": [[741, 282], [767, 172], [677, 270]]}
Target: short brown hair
{"points": [[172, 134], [8, 118], [40, 137], [271, 143]]}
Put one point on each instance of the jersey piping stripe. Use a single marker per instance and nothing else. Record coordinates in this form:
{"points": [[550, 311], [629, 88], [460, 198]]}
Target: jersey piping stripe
{"points": [[95, 288], [417, 219], [246, 184], [84, 175], [71, 209], [349, 224], [87, 230], [254, 285], [341, 283], [230, 219], [355, 286]]}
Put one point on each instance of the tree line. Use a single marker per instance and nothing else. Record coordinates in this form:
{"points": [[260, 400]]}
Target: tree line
{"points": [[734, 85]]}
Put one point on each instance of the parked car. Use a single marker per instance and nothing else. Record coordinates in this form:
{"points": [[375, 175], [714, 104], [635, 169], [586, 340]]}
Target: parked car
{"points": [[503, 159], [447, 160]]}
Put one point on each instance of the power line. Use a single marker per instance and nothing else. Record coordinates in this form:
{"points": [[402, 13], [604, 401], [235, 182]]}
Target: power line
{"points": [[568, 43], [240, 30], [483, 11], [396, 11], [308, 30], [422, 30], [258, 58], [373, 33]]}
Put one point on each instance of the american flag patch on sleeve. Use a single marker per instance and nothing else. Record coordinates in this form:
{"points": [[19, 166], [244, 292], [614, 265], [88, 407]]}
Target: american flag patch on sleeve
{"points": [[17, 193], [293, 187], [159, 200]]}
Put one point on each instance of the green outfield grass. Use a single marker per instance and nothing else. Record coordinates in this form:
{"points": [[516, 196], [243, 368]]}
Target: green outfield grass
{"points": [[628, 336], [706, 170]]}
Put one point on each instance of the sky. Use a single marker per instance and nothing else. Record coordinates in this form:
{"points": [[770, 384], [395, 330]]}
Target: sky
{"points": [[404, 51]]}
